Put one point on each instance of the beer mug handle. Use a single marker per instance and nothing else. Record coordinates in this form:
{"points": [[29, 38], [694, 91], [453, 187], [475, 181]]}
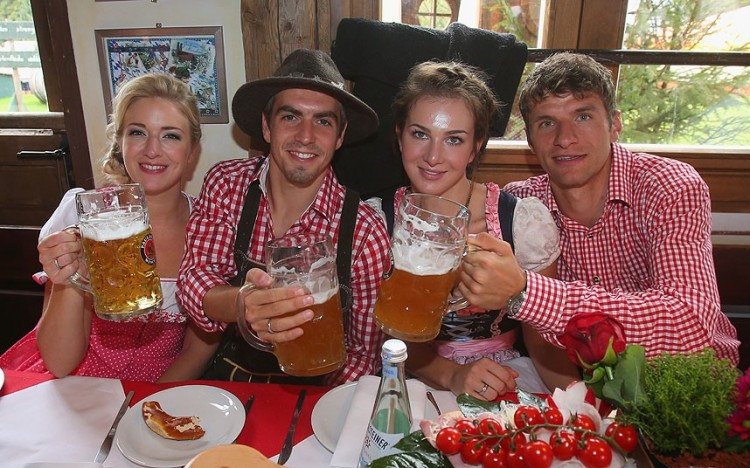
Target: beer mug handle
{"points": [[457, 301], [249, 336], [76, 278]]}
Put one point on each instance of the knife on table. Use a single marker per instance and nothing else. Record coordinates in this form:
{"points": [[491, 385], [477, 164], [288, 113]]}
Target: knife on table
{"points": [[286, 449], [107, 444]]}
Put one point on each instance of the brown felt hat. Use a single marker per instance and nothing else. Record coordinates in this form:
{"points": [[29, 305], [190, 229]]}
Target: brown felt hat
{"points": [[307, 69]]}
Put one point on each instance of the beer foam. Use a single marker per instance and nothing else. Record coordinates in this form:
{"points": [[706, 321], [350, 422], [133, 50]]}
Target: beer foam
{"points": [[420, 255], [111, 225], [424, 258], [320, 280], [323, 296]]}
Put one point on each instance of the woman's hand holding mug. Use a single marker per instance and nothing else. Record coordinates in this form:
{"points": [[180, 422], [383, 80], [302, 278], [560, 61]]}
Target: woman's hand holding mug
{"points": [[59, 254]]}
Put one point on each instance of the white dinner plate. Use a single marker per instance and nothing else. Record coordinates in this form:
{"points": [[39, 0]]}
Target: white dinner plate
{"points": [[329, 414], [221, 416], [2, 379]]}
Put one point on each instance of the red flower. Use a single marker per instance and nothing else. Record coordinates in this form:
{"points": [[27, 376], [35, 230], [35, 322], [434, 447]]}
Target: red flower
{"points": [[611, 367], [739, 423], [593, 338], [743, 389], [739, 420]]}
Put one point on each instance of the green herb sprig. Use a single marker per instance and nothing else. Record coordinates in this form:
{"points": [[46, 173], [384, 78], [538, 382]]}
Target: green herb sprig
{"points": [[687, 400]]}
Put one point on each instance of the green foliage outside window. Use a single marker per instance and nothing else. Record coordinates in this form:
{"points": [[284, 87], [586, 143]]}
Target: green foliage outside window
{"points": [[682, 104], [669, 104], [15, 10]]}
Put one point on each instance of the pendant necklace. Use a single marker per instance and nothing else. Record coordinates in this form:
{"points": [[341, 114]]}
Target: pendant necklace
{"points": [[471, 192]]}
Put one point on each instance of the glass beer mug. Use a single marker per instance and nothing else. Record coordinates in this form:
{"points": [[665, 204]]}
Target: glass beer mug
{"points": [[119, 252], [429, 237], [306, 261]]}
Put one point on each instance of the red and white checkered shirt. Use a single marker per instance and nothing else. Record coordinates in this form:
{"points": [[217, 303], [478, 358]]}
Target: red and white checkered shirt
{"points": [[647, 261], [209, 259]]}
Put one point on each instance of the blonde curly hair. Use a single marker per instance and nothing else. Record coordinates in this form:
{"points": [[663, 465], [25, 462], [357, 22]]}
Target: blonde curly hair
{"points": [[153, 85]]}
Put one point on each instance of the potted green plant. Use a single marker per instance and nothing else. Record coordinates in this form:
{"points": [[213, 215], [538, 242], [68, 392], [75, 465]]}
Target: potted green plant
{"points": [[691, 409]]}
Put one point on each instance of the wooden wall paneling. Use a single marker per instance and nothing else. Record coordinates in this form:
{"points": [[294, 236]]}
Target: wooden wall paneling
{"points": [[297, 25], [726, 172], [325, 33], [260, 37], [562, 24], [18, 204], [339, 9], [54, 14], [507, 166], [369, 9], [271, 30], [20, 296], [602, 24], [727, 176], [733, 267], [732, 264]]}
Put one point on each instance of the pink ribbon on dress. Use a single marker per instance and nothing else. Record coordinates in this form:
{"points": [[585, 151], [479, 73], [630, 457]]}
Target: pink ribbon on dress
{"points": [[482, 347]]}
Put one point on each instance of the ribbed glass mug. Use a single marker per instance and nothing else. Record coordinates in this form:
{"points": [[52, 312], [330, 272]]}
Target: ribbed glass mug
{"points": [[307, 261], [429, 237], [119, 252]]}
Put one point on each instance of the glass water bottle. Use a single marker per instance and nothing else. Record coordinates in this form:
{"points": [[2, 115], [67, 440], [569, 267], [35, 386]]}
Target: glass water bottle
{"points": [[391, 415]]}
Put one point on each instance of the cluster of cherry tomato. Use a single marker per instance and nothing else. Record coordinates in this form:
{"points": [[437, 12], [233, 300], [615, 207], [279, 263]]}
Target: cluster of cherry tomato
{"points": [[489, 444]]}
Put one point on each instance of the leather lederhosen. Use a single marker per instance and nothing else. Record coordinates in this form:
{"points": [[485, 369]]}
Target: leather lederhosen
{"points": [[236, 360]]}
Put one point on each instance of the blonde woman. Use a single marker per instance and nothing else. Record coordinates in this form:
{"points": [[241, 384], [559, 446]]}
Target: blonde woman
{"points": [[154, 135]]}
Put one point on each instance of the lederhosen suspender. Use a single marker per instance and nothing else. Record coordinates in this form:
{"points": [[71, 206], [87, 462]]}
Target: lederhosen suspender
{"points": [[343, 251], [237, 360]]}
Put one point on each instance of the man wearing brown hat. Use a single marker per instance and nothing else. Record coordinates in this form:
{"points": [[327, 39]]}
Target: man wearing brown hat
{"points": [[304, 113]]}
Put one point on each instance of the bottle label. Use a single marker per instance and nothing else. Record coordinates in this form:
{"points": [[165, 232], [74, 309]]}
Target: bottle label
{"points": [[390, 372], [378, 444]]}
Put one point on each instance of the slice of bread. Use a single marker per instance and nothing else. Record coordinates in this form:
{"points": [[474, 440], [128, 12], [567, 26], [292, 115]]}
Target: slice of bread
{"points": [[171, 427], [231, 456]]}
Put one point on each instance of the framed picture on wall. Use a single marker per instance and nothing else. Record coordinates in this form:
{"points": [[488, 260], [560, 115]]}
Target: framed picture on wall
{"points": [[193, 54]]}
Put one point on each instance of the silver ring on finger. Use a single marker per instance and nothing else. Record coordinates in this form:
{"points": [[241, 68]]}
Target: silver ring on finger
{"points": [[57, 265], [268, 327], [484, 389]]}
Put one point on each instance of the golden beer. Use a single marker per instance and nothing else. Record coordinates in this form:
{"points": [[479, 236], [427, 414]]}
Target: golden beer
{"points": [[307, 261], [121, 261], [320, 349], [429, 236], [411, 307]]}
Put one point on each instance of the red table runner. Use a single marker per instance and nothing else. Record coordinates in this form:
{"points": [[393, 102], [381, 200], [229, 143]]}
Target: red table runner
{"points": [[266, 425]]}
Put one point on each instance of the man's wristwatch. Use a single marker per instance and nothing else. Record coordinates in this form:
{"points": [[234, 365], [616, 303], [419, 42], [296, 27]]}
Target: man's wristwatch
{"points": [[515, 303]]}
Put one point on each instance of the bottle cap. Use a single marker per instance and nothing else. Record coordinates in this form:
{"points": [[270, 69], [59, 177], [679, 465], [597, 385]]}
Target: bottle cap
{"points": [[394, 350]]}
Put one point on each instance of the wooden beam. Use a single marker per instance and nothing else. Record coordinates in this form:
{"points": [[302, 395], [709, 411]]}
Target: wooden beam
{"points": [[54, 14], [651, 57], [562, 24], [32, 120], [602, 24]]}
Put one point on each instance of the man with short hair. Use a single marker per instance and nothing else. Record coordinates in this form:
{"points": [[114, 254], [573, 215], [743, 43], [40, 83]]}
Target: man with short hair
{"points": [[304, 113], [635, 228]]}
